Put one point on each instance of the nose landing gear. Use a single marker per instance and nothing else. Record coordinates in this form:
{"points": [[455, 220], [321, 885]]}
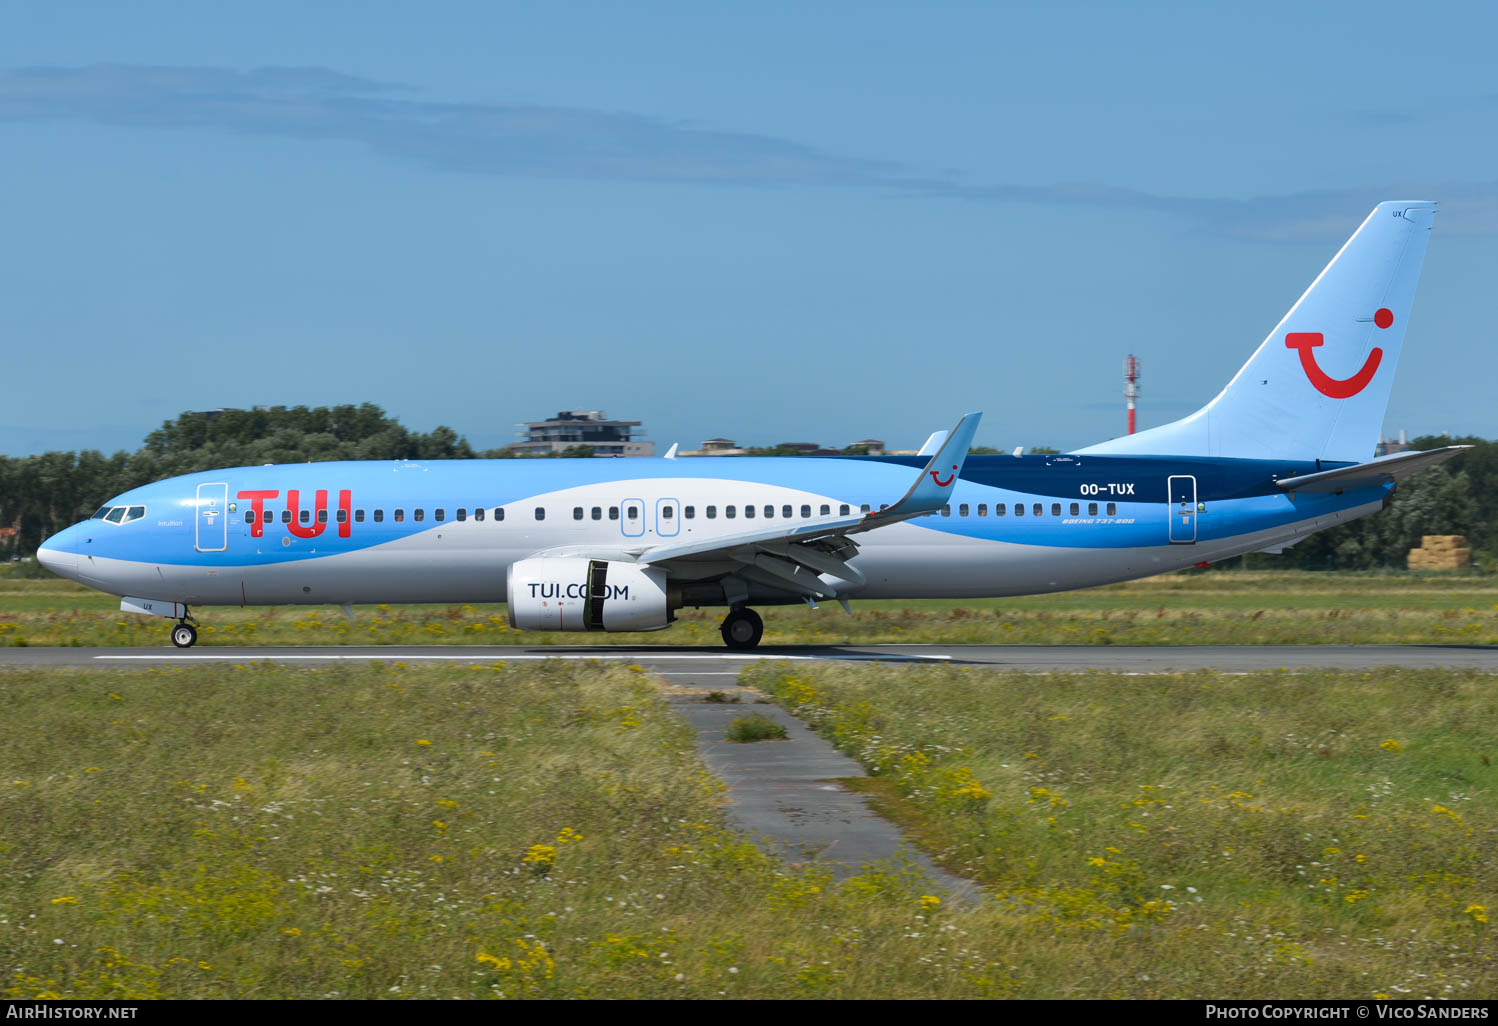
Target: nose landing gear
{"points": [[742, 629], [185, 634]]}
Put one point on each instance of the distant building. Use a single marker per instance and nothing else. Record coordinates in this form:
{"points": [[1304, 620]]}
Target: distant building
{"points": [[870, 446], [583, 427], [1388, 446], [716, 447]]}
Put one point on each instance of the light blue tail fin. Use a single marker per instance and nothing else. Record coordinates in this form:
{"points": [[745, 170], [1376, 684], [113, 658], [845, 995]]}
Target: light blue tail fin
{"points": [[1318, 386]]}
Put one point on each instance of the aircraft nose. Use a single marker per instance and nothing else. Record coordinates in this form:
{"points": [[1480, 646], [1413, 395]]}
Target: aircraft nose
{"points": [[59, 553]]}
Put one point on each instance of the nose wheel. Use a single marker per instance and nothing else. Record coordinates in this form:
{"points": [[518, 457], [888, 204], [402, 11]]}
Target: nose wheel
{"points": [[742, 629], [185, 634]]}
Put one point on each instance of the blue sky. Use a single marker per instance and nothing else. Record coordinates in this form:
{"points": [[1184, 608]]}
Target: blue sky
{"points": [[786, 222]]}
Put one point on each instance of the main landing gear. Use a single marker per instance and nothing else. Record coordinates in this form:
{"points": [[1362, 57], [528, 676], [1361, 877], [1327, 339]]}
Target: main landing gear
{"points": [[185, 634], [742, 629]]}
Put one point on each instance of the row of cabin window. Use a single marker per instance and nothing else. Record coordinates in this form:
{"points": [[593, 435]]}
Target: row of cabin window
{"points": [[710, 512], [378, 516], [688, 512], [1036, 509]]}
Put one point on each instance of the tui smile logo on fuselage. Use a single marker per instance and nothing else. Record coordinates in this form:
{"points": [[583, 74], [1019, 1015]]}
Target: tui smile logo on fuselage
{"points": [[1337, 388]]}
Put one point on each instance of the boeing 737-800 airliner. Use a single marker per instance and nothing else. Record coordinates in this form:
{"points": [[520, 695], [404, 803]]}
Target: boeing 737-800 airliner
{"points": [[619, 545]]}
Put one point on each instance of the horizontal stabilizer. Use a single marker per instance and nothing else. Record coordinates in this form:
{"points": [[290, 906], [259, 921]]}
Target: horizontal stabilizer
{"points": [[1379, 471]]}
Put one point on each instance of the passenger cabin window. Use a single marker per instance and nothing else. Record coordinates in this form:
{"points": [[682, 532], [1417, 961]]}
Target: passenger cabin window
{"points": [[358, 516], [420, 514], [712, 512], [499, 512], [1037, 509], [748, 512], [249, 516], [1092, 509], [946, 510], [286, 516], [843, 510], [379, 516], [1076, 508], [322, 516], [666, 513], [400, 516], [1112, 509], [1000, 509], [689, 511], [962, 510], [597, 512], [633, 512], [785, 511], [462, 514], [540, 512], [806, 512], [1055, 509], [729, 512], [1019, 509], [478, 513], [577, 512], [305, 516], [983, 509], [343, 516], [613, 512], [439, 515], [864, 508]]}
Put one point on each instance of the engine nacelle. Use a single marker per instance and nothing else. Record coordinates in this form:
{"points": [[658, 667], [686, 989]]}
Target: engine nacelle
{"points": [[573, 593]]}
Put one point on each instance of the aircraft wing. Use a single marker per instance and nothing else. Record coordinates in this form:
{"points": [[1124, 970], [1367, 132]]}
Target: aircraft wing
{"points": [[1379, 471], [792, 555]]}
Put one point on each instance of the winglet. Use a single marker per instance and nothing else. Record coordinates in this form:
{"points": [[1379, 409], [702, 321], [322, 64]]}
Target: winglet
{"points": [[932, 489], [933, 443]]}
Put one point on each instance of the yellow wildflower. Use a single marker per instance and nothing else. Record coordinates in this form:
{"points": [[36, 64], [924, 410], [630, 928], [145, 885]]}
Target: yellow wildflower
{"points": [[930, 901]]}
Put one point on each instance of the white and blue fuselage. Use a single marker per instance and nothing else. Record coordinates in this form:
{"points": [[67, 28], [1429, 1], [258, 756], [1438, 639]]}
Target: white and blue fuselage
{"points": [[448, 531]]}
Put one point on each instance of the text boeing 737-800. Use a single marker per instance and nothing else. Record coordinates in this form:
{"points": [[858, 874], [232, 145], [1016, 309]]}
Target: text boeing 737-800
{"points": [[619, 545]]}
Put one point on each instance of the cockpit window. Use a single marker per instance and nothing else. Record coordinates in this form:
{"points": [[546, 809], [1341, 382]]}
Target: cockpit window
{"points": [[100, 514], [135, 513], [115, 515]]}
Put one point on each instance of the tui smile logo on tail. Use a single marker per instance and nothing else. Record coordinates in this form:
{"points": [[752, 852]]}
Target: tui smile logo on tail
{"points": [[1337, 388], [935, 476]]}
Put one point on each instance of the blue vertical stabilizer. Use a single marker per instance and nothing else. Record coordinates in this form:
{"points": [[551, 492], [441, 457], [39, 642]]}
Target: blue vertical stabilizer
{"points": [[1318, 386]]}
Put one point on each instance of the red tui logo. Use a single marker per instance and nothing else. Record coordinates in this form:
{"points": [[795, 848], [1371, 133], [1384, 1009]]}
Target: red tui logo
{"points": [[1337, 388]]}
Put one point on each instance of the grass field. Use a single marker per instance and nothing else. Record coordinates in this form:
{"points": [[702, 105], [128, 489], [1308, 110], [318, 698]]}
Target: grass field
{"points": [[547, 831], [408, 832], [1272, 834], [1255, 607]]}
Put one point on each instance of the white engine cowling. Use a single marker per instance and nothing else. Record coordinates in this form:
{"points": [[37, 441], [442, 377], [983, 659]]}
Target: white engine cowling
{"points": [[573, 593]]}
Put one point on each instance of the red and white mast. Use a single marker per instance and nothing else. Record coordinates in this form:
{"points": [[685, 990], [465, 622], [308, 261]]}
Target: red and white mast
{"points": [[1131, 385]]}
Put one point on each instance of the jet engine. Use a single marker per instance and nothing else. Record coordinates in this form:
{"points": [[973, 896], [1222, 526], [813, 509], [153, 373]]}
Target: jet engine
{"points": [[573, 593]]}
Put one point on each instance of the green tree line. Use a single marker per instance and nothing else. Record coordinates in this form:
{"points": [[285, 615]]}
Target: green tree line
{"points": [[40, 495]]}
